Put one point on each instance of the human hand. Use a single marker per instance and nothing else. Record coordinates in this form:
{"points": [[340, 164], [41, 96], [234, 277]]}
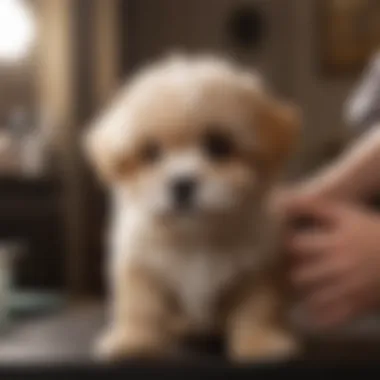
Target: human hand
{"points": [[283, 198], [336, 263]]}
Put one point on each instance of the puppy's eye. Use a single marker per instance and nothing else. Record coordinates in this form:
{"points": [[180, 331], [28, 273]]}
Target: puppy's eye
{"points": [[218, 146], [150, 153]]}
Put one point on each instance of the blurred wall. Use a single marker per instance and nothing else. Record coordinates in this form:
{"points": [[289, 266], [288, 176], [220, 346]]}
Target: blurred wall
{"points": [[320, 95], [288, 56]]}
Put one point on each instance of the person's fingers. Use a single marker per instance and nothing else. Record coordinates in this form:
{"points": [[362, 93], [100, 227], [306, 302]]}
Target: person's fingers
{"points": [[314, 274], [332, 317], [331, 295], [340, 312], [340, 301], [307, 243], [329, 306], [334, 278], [320, 211]]}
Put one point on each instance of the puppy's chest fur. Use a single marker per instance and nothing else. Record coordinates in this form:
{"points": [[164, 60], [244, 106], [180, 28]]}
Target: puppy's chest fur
{"points": [[197, 275]]}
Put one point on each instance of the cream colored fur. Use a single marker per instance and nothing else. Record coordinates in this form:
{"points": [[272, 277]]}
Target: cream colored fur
{"points": [[171, 275]]}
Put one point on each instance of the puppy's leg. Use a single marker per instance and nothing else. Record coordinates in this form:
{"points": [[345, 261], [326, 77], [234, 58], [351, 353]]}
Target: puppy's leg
{"points": [[142, 323], [257, 329]]}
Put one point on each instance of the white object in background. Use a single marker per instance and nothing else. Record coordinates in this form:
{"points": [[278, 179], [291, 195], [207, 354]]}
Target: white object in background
{"points": [[362, 108], [17, 29]]}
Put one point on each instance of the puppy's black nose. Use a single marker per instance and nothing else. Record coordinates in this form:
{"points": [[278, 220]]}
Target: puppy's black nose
{"points": [[183, 190]]}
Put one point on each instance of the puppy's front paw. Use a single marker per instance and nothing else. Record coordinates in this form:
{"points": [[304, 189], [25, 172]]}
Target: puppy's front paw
{"points": [[277, 346], [282, 346], [108, 347], [115, 346]]}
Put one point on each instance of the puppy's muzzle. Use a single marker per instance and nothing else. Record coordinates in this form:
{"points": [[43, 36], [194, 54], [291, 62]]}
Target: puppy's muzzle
{"points": [[183, 192]]}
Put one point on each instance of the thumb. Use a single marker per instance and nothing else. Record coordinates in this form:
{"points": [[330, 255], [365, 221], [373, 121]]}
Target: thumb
{"points": [[310, 211]]}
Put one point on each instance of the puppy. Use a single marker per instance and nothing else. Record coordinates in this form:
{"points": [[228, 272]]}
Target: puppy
{"points": [[190, 151]]}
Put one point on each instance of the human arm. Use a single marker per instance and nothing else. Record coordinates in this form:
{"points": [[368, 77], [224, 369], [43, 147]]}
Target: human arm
{"points": [[354, 176]]}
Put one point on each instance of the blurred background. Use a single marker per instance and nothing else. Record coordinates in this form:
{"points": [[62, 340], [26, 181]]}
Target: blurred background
{"points": [[61, 61]]}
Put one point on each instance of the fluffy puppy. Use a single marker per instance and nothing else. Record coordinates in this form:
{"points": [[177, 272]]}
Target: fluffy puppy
{"points": [[190, 151]]}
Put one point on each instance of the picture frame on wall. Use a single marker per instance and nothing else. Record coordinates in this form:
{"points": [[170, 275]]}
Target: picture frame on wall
{"points": [[349, 33]]}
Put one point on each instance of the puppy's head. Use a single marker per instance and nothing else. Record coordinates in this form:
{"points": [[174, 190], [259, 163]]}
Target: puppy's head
{"points": [[192, 137]]}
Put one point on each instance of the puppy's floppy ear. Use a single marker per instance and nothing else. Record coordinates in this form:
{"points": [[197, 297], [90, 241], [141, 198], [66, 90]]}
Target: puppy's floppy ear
{"points": [[103, 142], [279, 130]]}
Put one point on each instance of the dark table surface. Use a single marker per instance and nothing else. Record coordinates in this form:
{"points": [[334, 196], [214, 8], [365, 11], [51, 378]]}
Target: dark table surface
{"points": [[67, 336]]}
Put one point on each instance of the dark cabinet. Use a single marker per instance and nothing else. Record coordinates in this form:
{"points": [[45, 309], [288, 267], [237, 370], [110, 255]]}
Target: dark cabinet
{"points": [[31, 213]]}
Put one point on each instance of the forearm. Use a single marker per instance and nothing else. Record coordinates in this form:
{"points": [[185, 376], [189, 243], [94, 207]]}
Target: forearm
{"points": [[356, 174]]}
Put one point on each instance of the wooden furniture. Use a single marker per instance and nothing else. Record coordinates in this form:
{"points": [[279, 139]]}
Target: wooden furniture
{"points": [[30, 213]]}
